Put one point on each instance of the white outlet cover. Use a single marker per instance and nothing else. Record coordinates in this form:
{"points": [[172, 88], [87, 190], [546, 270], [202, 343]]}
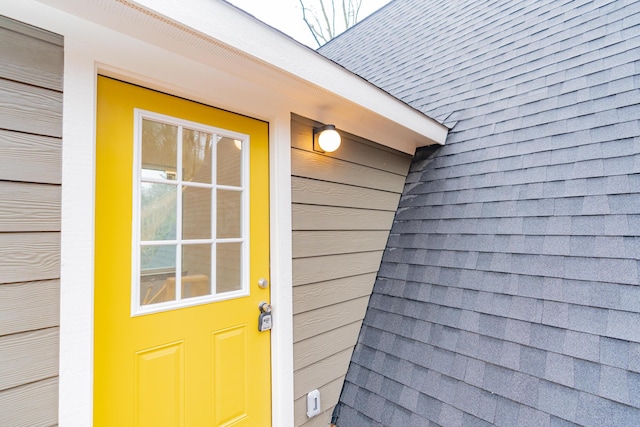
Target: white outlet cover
{"points": [[313, 403]]}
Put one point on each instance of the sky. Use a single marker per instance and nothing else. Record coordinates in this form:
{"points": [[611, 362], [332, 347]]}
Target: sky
{"points": [[286, 15]]}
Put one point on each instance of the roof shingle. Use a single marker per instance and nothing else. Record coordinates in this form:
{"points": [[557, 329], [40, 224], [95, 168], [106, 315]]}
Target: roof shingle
{"points": [[508, 293]]}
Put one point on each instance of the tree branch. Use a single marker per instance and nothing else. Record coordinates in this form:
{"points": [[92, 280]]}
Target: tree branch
{"points": [[304, 18], [321, 21]]}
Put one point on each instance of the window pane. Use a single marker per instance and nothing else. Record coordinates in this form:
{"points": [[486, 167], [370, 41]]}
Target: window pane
{"points": [[229, 162], [159, 150], [158, 216], [157, 274], [196, 213], [156, 257], [228, 267], [193, 176], [196, 155], [229, 214], [196, 270]]}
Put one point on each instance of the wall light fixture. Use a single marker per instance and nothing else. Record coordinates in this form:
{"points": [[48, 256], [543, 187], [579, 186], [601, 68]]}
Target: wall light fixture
{"points": [[326, 139]]}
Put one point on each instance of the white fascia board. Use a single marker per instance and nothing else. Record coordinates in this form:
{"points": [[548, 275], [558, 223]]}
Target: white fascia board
{"points": [[298, 78]]}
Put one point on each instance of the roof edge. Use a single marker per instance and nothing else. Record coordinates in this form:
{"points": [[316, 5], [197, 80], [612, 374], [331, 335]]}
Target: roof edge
{"points": [[245, 33]]}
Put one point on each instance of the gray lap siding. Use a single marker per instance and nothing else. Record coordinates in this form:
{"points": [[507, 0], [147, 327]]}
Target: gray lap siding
{"points": [[30, 183]]}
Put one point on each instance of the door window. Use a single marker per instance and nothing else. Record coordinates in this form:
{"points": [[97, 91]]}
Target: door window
{"points": [[190, 222]]}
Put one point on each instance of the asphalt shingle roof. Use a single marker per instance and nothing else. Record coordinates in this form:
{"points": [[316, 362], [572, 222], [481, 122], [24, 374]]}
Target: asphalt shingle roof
{"points": [[509, 291]]}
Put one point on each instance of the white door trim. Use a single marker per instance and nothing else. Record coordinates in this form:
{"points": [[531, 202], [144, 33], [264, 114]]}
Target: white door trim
{"points": [[77, 251]]}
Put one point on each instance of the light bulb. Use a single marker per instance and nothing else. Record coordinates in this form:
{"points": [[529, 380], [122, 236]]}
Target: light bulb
{"points": [[329, 140]]}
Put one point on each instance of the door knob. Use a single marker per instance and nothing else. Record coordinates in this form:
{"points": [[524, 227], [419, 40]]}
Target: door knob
{"points": [[265, 307]]}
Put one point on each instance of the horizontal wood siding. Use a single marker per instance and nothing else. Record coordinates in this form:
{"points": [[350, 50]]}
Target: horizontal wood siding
{"points": [[31, 56], [29, 306], [29, 207], [315, 217], [30, 158], [309, 191], [308, 324], [307, 378], [319, 347], [343, 204], [328, 393], [28, 357], [31, 83], [329, 292], [30, 405], [30, 109], [327, 242], [318, 269], [317, 166], [29, 256]]}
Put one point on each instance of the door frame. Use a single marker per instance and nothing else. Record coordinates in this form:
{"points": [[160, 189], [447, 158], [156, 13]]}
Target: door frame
{"points": [[76, 337]]}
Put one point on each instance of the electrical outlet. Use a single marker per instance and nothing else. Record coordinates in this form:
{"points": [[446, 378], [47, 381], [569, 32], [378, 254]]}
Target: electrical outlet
{"points": [[313, 403]]}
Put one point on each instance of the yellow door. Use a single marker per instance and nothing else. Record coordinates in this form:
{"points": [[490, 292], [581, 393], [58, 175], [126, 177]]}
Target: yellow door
{"points": [[182, 242]]}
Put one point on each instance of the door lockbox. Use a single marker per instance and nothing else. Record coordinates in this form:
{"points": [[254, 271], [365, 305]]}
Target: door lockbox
{"points": [[264, 320]]}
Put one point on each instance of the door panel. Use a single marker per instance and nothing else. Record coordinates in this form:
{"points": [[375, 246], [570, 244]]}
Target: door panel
{"points": [[160, 368], [229, 370], [158, 362]]}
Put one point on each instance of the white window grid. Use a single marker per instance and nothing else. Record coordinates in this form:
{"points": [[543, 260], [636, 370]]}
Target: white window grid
{"points": [[137, 308]]}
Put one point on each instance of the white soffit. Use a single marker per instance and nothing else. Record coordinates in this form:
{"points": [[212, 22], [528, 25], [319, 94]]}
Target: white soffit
{"points": [[223, 37]]}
